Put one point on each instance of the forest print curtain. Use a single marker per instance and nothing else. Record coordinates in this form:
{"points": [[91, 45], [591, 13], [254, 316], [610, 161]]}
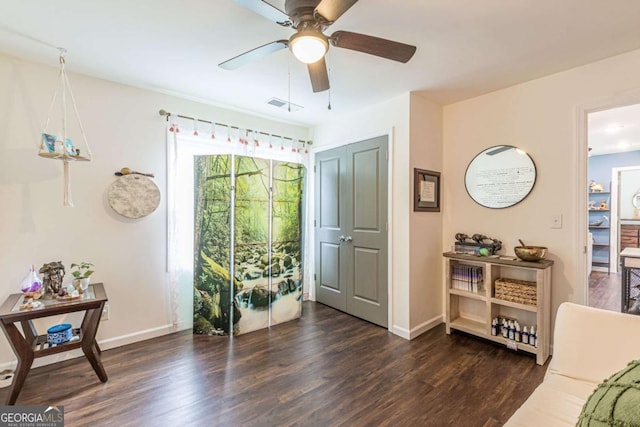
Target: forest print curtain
{"points": [[247, 247]]}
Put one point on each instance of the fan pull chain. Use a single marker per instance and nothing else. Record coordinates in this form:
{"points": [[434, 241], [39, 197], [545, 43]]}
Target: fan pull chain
{"points": [[329, 73], [289, 83]]}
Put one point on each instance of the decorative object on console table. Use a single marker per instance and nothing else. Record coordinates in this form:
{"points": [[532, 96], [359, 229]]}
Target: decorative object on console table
{"points": [[599, 226], [426, 190], [478, 244], [515, 290], [59, 334], [31, 283], [530, 253], [52, 275]]}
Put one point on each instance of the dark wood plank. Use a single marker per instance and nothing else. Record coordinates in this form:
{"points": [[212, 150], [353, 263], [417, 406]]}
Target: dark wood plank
{"points": [[327, 368], [605, 290]]}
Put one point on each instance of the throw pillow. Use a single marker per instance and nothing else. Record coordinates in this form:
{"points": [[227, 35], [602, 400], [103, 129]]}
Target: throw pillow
{"points": [[615, 402]]}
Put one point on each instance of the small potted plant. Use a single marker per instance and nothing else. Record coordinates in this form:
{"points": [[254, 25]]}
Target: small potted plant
{"points": [[82, 275]]}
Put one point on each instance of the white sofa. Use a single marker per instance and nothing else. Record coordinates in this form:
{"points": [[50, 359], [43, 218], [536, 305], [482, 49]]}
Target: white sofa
{"points": [[589, 345]]}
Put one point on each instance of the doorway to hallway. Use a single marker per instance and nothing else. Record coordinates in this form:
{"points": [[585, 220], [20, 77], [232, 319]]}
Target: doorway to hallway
{"points": [[613, 138]]}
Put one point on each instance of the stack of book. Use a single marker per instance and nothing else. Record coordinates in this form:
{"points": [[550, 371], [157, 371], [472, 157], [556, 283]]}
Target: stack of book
{"points": [[467, 277]]}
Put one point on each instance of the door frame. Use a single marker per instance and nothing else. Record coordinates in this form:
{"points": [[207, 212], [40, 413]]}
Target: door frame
{"points": [[580, 185], [311, 211]]}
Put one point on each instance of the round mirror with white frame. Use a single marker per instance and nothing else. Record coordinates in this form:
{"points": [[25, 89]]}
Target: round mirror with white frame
{"points": [[500, 176]]}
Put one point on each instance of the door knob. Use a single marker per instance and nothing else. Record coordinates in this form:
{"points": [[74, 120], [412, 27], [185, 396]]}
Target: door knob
{"points": [[341, 238], [349, 239]]}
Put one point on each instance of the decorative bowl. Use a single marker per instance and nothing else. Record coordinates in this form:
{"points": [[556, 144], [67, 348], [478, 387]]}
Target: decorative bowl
{"points": [[531, 253], [59, 334], [596, 223]]}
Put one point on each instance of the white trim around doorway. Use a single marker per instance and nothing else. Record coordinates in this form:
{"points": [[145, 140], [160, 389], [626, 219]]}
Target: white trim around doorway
{"points": [[581, 230]]}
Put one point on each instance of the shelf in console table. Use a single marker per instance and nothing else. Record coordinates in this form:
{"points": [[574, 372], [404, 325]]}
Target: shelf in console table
{"points": [[472, 312]]}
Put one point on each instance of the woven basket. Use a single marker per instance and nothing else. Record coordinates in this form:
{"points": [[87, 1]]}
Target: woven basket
{"points": [[519, 291]]}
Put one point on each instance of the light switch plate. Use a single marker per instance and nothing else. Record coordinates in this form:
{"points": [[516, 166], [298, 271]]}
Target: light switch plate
{"points": [[556, 221]]}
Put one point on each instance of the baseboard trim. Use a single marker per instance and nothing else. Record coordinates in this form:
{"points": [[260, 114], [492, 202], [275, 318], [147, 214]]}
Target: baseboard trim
{"points": [[104, 345], [425, 326], [418, 330], [137, 336], [8, 365], [399, 331]]}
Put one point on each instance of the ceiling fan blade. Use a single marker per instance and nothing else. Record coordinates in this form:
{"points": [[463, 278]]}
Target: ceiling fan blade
{"points": [[331, 10], [319, 75], [373, 45], [267, 10], [253, 54]]}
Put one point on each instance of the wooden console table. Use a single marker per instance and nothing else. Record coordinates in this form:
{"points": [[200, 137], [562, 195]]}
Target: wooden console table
{"points": [[30, 345]]}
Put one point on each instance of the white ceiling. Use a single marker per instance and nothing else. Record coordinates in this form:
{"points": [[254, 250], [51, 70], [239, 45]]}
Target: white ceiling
{"points": [[464, 47], [614, 131]]}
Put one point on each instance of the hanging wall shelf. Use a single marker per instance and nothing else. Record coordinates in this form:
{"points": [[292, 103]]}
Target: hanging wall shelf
{"points": [[59, 146]]}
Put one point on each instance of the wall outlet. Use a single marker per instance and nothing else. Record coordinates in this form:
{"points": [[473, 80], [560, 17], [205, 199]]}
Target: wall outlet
{"points": [[105, 312], [556, 221]]}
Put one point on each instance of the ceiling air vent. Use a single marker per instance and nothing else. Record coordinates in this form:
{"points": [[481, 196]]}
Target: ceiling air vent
{"points": [[282, 104]]}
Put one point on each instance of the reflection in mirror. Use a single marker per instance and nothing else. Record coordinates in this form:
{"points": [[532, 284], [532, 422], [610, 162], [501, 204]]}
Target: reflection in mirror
{"points": [[500, 176], [636, 200]]}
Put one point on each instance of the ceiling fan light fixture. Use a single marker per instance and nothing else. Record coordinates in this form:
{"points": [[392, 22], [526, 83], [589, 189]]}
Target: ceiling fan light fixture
{"points": [[308, 46]]}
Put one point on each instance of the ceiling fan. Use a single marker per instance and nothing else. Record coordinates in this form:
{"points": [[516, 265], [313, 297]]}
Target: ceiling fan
{"points": [[310, 18]]}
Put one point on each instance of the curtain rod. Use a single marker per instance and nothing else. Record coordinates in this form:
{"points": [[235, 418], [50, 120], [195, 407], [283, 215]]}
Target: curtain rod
{"points": [[167, 114]]}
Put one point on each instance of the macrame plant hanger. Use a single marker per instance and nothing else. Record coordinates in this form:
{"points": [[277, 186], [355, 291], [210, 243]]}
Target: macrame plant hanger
{"points": [[59, 146]]}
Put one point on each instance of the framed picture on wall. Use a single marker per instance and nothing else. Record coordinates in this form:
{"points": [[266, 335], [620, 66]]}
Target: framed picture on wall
{"points": [[426, 190]]}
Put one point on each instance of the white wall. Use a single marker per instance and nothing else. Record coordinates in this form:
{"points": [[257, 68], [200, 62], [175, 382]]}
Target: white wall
{"points": [[425, 227], [124, 129], [540, 117]]}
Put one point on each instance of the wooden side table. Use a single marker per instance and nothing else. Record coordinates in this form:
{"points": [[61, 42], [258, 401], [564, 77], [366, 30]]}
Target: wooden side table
{"points": [[29, 345]]}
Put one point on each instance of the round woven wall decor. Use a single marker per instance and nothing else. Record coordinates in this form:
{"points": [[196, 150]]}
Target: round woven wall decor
{"points": [[134, 196]]}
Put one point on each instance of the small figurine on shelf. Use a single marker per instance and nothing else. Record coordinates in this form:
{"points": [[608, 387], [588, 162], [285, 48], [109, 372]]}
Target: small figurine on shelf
{"points": [[592, 205], [603, 204], [595, 187]]}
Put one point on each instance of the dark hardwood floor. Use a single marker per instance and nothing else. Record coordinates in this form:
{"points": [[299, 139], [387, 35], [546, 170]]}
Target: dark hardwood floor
{"points": [[325, 369], [605, 290]]}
